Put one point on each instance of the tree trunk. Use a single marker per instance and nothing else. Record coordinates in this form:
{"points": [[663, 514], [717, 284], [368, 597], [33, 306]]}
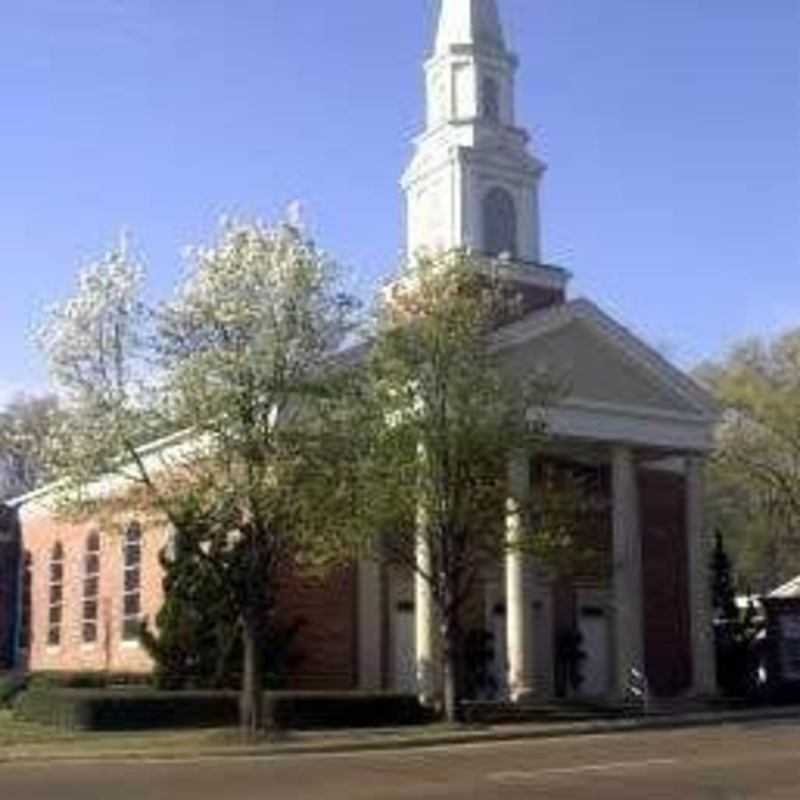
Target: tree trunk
{"points": [[451, 708], [251, 704], [453, 671]]}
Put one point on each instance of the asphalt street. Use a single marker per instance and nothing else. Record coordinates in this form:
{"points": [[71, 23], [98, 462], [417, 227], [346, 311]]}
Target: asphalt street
{"points": [[754, 761]]}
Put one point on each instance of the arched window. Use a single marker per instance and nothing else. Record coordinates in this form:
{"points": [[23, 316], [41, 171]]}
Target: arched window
{"points": [[26, 603], [499, 223], [132, 583], [490, 100], [55, 614], [91, 588]]}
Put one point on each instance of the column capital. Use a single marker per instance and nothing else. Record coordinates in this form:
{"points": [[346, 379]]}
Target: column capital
{"points": [[621, 451]]}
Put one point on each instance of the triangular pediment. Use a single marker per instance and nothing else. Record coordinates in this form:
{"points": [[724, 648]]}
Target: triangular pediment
{"points": [[599, 362]]}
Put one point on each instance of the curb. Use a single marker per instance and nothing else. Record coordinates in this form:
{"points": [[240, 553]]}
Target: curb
{"points": [[412, 742]]}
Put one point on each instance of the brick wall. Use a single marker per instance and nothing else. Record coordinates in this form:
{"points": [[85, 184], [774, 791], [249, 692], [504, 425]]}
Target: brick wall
{"points": [[664, 574], [327, 642], [109, 653], [666, 582], [536, 298]]}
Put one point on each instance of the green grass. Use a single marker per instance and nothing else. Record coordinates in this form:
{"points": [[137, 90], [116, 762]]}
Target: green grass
{"points": [[23, 740], [14, 732], [18, 738]]}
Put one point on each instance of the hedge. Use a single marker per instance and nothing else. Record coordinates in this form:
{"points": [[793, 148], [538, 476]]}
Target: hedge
{"points": [[89, 680], [320, 710], [126, 709], [10, 687], [137, 709]]}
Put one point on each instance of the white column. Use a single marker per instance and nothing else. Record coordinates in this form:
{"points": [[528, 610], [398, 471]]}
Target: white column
{"points": [[700, 610], [425, 618], [370, 626], [628, 622], [519, 617]]}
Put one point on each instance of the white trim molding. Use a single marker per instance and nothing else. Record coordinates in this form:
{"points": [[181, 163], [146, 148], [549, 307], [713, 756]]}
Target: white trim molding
{"points": [[633, 425]]}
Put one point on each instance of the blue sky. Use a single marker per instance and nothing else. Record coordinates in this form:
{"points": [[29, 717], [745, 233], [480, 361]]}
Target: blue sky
{"points": [[671, 128]]}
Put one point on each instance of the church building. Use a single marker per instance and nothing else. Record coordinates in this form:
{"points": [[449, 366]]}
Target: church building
{"points": [[632, 421]]}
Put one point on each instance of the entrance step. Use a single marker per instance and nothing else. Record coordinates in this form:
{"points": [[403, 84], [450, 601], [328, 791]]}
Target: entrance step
{"points": [[489, 713]]}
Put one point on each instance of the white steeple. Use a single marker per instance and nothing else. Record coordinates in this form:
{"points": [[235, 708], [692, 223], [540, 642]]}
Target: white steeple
{"points": [[472, 182], [475, 22]]}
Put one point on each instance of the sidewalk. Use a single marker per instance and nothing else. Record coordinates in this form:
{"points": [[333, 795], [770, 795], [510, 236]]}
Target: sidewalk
{"points": [[223, 744]]}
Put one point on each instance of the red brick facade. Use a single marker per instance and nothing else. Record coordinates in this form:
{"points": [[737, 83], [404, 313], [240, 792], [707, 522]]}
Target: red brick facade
{"points": [[535, 298], [326, 643], [109, 652], [665, 572]]}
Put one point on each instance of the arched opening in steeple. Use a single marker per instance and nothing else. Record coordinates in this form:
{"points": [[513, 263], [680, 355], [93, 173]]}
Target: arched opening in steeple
{"points": [[490, 100], [499, 223]]}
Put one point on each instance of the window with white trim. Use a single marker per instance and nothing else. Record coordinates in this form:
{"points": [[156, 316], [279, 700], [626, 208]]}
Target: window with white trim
{"points": [[132, 583], [55, 613], [490, 100], [91, 589]]}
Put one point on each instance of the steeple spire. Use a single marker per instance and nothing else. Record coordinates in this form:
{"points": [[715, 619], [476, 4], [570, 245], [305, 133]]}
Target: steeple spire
{"points": [[473, 182], [469, 22]]}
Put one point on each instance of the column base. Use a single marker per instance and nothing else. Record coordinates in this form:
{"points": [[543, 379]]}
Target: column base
{"points": [[701, 695], [428, 701], [523, 696]]}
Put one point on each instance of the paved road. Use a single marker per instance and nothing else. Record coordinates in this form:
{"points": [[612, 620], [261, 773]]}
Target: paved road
{"points": [[756, 761]]}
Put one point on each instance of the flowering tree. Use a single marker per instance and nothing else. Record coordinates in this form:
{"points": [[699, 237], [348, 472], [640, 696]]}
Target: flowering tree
{"points": [[96, 345], [239, 365], [444, 417], [247, 352]]}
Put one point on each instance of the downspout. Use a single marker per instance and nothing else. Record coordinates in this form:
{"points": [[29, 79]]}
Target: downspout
{"points": [[9, 539]]}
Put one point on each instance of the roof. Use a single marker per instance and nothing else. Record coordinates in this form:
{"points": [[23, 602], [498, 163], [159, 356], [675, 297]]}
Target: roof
{"points": [[524, 333]]}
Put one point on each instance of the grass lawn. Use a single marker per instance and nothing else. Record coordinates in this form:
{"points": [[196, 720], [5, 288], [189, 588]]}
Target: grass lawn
{"points": [[19, 738], [23, 740], [14, 732]]}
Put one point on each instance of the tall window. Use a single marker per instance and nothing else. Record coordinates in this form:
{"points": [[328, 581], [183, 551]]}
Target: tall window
{"points": [[91, 588], [499, 223], [132, 583], [490, 100], [56, 607], [26, 604]]}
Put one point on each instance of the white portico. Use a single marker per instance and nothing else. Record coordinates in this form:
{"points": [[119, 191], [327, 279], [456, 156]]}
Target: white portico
{"points": [[474, 184], [635, 419]]}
